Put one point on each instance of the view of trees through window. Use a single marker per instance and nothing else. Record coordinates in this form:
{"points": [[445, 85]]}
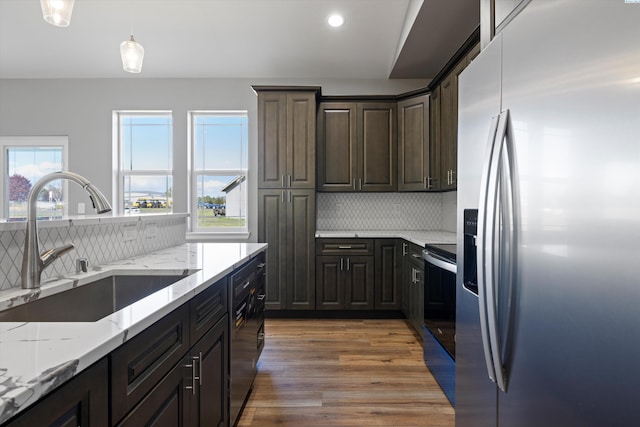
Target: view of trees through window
{"points": [[25, 165]]}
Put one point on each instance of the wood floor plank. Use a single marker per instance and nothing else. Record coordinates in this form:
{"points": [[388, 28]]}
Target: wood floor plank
{"points": [[321, 373]]}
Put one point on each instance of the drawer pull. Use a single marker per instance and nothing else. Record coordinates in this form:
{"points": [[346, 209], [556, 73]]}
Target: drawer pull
{"points": [[416, 256], [344, 247]]}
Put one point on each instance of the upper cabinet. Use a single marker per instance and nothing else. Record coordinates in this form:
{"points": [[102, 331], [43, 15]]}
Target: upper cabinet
{"points": [[418, 167], [444, 125], [357, 146], [286, 138]]}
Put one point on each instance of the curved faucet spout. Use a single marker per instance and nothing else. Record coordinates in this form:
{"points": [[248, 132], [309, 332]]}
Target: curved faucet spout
{"points": [[33, 263]]}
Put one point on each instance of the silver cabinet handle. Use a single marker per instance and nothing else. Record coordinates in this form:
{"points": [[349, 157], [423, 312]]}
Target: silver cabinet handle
{"points": [[290, 180], [415, 255], [341, 264], [194, 377], [261, 297], [282, 196], [404, 249], [246, 284], [290, 197], [200, 368], [344, 247], [354, 184], [348, 264], [453, 174], [360, 181], [282, 180]]}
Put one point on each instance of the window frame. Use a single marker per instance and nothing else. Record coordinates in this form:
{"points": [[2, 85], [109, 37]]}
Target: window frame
{"points": [[119, 174], [223, 233], [35, 142]]}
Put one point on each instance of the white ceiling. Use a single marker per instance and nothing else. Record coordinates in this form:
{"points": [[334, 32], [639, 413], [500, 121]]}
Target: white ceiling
{"points": [[236, 38]]}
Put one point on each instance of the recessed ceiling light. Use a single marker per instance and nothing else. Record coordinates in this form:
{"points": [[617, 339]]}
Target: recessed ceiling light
{"points": [[335, 20]]}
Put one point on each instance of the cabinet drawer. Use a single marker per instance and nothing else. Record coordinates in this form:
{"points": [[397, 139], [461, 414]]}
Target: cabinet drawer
{"points": [[344, 246], [412, 251], [139, 364], [207, 308]]}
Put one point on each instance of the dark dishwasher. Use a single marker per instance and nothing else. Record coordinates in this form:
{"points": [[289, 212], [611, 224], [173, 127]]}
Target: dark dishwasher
{"points": [[247, 330]]}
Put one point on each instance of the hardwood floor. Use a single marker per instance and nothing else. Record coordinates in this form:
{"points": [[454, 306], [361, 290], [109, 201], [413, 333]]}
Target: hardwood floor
{"points": [[344, 373]]}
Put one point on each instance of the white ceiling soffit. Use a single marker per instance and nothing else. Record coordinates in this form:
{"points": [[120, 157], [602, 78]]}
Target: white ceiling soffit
{"points": [[270, 39]]}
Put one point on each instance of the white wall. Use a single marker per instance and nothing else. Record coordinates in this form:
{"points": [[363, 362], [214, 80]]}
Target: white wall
{"points": [[82, 109]]}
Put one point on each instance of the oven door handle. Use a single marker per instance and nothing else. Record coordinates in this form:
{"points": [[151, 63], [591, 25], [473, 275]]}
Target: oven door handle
{"points": [[434, 260]]}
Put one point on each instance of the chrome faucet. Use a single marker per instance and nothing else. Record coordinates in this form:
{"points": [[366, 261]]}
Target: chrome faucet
{"points": [[33, 263]]}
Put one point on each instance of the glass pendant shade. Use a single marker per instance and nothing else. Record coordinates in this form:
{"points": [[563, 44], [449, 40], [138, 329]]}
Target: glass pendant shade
{"points": [[132, 54], [57, 12]]}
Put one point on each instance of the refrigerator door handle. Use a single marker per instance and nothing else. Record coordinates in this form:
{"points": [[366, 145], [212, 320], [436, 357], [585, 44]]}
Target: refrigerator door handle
{"points": [[496, 225], [481, 262]]}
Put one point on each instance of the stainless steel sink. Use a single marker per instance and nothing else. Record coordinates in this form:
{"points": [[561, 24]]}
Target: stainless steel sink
{"points": [[92, 301]]}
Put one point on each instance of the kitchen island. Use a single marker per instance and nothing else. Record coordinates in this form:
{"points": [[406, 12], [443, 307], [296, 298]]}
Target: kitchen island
{"points": [[36, 357]]}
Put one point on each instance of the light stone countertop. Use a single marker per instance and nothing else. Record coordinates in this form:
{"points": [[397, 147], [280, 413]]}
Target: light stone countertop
{"points": [[33, 356], [420, 238]]}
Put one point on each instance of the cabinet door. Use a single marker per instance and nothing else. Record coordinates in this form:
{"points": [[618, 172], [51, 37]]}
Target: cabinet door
{"points": [[388, 275], [377, 146], [330, 283], [83, 401], [272, 139], [167, 404], [449, 123], [272, 229], [413, 144], [337, 150], [300, 249], [211, 405], [301, 140], [435, 140], [359, 283], [407, 281], [139, 364]]}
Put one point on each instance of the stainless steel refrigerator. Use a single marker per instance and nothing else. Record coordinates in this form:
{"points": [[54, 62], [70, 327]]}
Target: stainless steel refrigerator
{"points": [[549, 155]]}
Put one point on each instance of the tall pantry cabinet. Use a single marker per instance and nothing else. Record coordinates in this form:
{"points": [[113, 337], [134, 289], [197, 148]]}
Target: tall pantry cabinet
{"points": [[286, 193]]}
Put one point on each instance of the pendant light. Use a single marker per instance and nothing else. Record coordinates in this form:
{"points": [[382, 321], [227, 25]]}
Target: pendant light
{"points": [[132, 54], [57, 12]]}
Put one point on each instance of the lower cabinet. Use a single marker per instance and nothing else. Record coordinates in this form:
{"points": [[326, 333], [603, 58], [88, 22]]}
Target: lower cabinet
{"points": [[194, 392], [344, 282], [83, 402], [413, 285], [388, 274]]}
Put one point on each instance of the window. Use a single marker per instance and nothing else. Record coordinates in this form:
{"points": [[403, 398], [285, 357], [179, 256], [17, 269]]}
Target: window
{"points": [[219, 171], [144, 159], [24, 161]]}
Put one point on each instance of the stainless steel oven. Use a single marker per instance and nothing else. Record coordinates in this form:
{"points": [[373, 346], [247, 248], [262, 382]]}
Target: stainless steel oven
{"points": [[440, 314]]}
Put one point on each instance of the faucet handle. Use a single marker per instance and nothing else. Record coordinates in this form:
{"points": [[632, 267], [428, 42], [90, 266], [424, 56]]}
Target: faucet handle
{"points": [[82, 264]]}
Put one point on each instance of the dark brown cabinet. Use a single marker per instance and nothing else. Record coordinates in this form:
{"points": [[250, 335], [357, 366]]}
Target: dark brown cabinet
{"points": [[413, 285], [444, 123], [83, 402], [388, 277], [286, 221], [158, 378], [345, 274], [416, 162], [286, 138], [357, 146]]}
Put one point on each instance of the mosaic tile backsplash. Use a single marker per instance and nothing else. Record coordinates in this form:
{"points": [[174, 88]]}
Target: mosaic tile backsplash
{"points": [[380, 211], [100, 240]]}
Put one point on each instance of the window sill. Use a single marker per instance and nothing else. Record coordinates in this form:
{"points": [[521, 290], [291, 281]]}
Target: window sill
{"points": [[237, 236]]}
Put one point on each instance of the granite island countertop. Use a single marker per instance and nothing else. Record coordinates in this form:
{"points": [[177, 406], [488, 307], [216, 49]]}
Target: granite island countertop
{"points": [[420, 238], [33, 354]]}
